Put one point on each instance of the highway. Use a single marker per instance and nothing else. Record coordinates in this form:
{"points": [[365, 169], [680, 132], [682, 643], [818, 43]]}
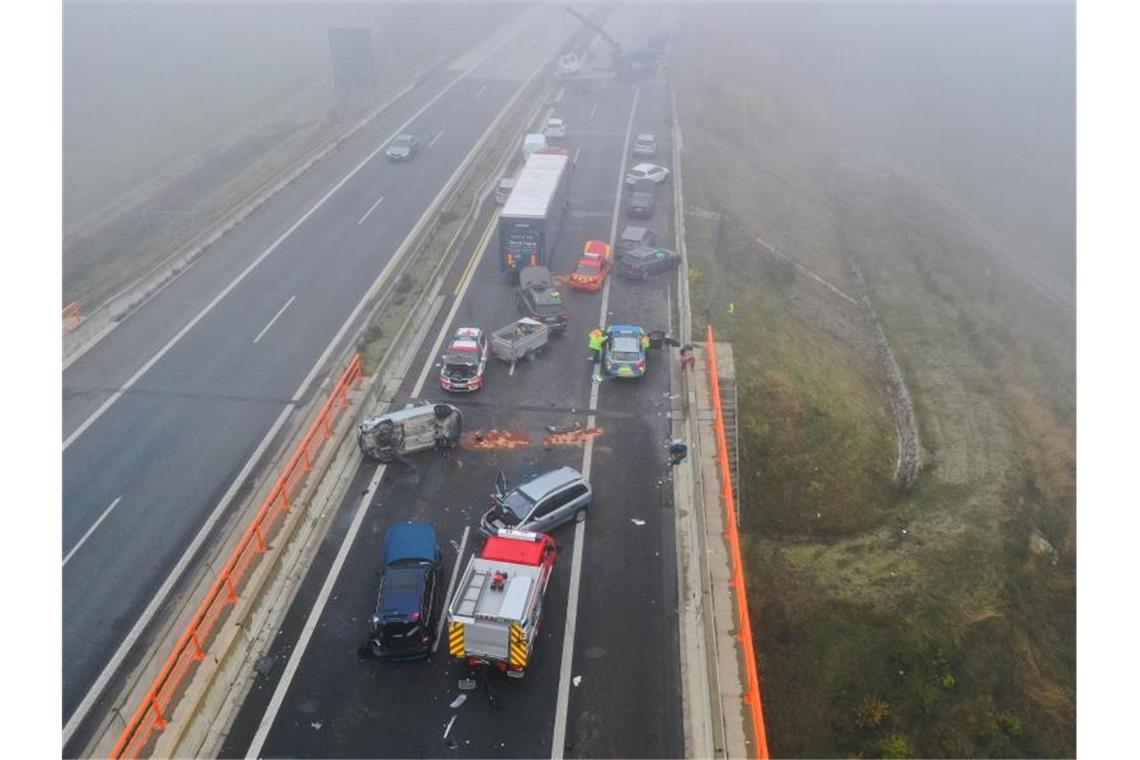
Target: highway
{"points": [[166, 418], [604, 680]]}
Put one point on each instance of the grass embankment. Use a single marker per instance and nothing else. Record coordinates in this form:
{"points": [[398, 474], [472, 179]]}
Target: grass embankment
{"points": [[935, 622]]}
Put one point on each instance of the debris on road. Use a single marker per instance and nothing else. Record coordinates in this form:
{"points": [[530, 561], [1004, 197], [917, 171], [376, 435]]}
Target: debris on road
{"points": [[317, 726], [458, 701], [450, 723], [496, 439], [637, 522], [577, 680], [572, 437], [466, 684], [564, 428]]}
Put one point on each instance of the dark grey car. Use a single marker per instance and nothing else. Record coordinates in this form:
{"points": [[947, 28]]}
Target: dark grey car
{"points": [[642, 263], [634, 237], [538, 505]]}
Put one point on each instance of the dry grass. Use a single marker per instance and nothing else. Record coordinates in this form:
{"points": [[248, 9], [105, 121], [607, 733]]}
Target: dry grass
{"points": [[918, 623]]}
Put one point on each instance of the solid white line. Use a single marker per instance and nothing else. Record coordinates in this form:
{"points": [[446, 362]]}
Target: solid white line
{"points": [[450, 587], [370, 209], [314, 617], [511, 372], [558, 97], [159, 599], [435, 139], [275, 316], [482, 90], [576, 152], [593, 110], [91, 530], [245, 272], [562, 703]]}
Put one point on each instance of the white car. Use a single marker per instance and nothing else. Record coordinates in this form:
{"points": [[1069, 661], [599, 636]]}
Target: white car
{"points": [[555, 128], [647, 171]]}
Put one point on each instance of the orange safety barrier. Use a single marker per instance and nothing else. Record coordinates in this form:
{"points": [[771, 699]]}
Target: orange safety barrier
{"points": [[71, 316], [752, 696], [154, 711]]}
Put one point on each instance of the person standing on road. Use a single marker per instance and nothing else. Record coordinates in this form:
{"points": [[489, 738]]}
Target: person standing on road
{"points": [[688, 358], [597, 342]]}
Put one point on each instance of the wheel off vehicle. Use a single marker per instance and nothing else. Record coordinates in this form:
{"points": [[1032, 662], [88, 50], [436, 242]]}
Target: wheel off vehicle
{"points": [[538, 299], [590, 274], [401, 624], [465, 361], [494, 617]]}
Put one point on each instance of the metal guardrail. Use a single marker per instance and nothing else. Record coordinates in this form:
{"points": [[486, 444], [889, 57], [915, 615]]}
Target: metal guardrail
{"points": [[752, 692], [153, 712]]}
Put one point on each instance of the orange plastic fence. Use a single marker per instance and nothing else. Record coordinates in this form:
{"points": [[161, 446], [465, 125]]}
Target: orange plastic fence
{"points": [[71, 316], [752, 695], [154, 711]]}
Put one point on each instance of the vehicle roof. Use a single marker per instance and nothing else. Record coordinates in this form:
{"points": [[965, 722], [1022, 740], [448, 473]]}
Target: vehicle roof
{"points": [[399, 598], [646, 136], [554, 121], [625, 344], [530, 277], [536, 185], [645, 186], [633, 232], [547, 482], [410, 540], [524, 551], [598, 247], [404, 137]]}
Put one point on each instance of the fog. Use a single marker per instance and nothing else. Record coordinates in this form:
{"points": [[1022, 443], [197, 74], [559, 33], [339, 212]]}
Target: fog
{"points": [[980, 95], [146, 85]]}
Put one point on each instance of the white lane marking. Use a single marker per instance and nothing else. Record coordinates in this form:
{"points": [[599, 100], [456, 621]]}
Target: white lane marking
{"points": [[91, 530], [511, 372], [458, 299], [482, 90], [159, 599], [245, 272], [558, 97], [576, 152], [593, 110], [562, 703], [370, 210], [275, 316], [451, 587], [314, 616], [435, 139]]}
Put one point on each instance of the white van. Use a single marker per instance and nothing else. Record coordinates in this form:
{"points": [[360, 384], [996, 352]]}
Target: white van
{"points": [[531, 143]]}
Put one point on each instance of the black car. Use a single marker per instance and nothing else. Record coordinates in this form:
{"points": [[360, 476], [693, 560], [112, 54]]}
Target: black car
{"points": [[539, 300], [634, 237], [642, 199], [401, 625], [402, 148], [642, 263]]}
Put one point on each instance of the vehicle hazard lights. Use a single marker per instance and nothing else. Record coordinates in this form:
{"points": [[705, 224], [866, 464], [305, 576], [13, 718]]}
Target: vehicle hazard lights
{"points": [[455, 639], [518, 646]]}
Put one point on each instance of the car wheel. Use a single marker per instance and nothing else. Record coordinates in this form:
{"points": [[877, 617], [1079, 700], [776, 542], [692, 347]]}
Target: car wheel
{"points": [[528, 355], [386, 456]]}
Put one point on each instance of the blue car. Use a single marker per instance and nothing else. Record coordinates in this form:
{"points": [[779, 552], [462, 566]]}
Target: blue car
{"points": [[625, 351], [401, 625]]}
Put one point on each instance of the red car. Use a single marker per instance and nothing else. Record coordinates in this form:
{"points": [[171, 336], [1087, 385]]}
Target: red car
{"points": [[465, 361], [593, 267]]}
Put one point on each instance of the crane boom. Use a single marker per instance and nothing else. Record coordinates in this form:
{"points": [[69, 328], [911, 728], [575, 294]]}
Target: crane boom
{"points": [[602, 32]]}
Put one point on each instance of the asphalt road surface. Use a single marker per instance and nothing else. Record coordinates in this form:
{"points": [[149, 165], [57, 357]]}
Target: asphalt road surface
{"points": [[165, 417], [616, 666]]}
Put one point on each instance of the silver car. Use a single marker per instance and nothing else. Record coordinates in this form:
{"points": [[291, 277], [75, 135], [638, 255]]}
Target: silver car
{"points": [[538, 505]]}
